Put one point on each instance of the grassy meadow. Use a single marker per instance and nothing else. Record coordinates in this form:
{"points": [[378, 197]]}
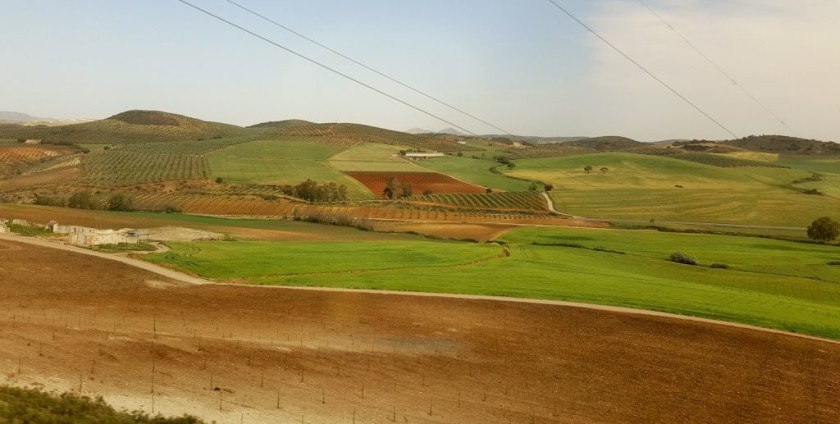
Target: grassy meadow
{"points": [[281, 162], [777, 284], [645, 187], [372, 157], [476, 171]]}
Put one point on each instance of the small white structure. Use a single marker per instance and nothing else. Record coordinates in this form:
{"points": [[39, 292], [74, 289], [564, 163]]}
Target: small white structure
{"points": [[3, 228], [85, 236], [422, 155], [32, 141]]}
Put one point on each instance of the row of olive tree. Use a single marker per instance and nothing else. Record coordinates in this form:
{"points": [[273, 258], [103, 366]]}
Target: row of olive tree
{"points": [[85, 199], [311, 191]]}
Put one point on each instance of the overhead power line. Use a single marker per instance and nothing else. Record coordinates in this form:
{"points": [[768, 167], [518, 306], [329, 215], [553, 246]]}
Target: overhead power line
{"points": [[645, 70], [382, 74], [333, 70], [717, 67]]}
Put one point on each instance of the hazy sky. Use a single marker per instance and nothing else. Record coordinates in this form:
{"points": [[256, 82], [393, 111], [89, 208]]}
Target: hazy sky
{"points": [[519, 64]]}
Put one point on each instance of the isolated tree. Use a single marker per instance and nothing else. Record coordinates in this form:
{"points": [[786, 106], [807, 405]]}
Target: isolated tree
{"points": [[824, 229], [604, 170], [548, 187], [488, 190], [587, 168], [391, 186]]}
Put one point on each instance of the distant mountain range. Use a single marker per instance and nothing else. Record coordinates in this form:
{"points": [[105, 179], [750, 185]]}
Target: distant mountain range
{"points": [[7, 117]]}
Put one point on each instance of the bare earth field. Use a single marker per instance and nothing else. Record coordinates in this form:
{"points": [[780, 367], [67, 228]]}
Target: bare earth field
{"points": [[420, 182], [272, 355]]}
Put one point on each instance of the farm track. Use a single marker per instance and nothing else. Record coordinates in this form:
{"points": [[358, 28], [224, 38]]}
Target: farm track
{"points": [[186, 278]]}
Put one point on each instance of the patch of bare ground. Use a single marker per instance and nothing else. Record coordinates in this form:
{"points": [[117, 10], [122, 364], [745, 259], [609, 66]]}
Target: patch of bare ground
{"points": [[267, 355]]}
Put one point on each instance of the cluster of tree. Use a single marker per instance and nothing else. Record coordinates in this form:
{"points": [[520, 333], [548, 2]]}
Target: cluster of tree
{"points": [[312, 191], [504, 160], [589, 168], [394, 188], [84, 199]]}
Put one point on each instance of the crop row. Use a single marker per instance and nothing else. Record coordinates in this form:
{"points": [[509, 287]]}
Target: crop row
{"points": [[250, 205], [350, 134], [529, 201], [193, 147], [115, 167]]}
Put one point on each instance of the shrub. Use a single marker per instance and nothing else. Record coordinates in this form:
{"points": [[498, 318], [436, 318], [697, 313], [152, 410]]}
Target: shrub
{"points": [[82, 200], [834, 263], [719, 266], [120, 202], [682, 258]]}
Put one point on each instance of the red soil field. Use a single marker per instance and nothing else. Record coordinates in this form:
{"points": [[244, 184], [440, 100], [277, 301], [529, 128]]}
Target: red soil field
{"points": [[420, 182], [238, 354]]}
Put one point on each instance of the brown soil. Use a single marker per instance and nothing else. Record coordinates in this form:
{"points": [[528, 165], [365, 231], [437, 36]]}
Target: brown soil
{"points": [[420, 182], [233, 354]]}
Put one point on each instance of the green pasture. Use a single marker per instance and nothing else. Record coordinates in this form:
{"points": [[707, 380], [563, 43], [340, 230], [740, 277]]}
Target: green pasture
{"points": [[776, 284], [280, 162], [233, 260], [643, 187], [821, 164], [372, 157], [476, 171]]}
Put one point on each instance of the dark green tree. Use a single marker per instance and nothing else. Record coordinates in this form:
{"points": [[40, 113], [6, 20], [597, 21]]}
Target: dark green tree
{"points": [[120, 202], [824, 229], [81, 200]]}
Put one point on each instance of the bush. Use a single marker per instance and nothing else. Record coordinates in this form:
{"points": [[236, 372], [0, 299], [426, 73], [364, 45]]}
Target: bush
{"points": [[719, 266], [82, 200], [49, 200], [34, 406], [120, 202], [834, 263], [682, 258]]}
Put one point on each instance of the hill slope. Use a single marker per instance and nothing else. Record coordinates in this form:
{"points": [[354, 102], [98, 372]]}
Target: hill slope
{"points": [[129, 127]]}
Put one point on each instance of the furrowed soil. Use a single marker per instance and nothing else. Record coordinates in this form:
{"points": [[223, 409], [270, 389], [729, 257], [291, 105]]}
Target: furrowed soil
{"points": [[420, 182], [234, 354]]}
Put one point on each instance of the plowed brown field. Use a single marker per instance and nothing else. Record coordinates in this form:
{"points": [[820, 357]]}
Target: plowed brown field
{"points": [[268, 355], [420, 182]]}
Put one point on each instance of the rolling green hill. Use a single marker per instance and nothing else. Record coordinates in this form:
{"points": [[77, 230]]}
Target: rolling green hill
{"points": [[129, 127], [644, 187]]}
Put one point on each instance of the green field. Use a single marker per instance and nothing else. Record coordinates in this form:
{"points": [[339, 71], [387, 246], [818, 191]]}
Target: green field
{"points": [[476, 171], [372, 157], [651, 187], [280, 162], [261, 261], [770, 283]]}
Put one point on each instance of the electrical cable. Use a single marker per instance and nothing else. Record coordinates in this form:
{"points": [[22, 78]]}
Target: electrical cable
{"points": [[333, 70], [645, 70], [718, 68], [388, 77]]}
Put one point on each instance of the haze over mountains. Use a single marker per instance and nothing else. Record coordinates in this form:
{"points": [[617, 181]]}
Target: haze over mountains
{"points": [[18, 118]]}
